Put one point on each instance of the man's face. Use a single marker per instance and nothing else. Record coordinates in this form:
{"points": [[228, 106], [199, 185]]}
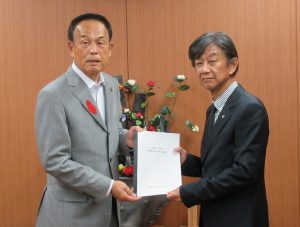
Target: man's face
{"points": [[214, 70], [91, 48]]}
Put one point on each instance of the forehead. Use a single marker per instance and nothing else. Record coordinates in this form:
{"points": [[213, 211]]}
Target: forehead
{"points": [[91, 28], [210, 51]]}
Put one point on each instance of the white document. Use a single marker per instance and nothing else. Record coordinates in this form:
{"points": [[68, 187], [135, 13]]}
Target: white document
{"points": [[158, 168]]}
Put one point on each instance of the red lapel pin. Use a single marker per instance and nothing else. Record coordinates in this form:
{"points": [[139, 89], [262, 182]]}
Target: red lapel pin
{"points": [[91, 107]]}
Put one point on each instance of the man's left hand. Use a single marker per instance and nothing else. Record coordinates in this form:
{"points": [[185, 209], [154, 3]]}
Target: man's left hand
{"points": [[130, 135], [174, 195]]}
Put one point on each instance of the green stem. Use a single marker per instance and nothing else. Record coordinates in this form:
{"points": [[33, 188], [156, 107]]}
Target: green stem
{"points": [[146, 112], [173, 105], [146, 109]]}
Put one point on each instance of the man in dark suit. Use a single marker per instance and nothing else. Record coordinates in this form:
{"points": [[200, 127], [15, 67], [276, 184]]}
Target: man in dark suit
{"points": [[233, 149]]}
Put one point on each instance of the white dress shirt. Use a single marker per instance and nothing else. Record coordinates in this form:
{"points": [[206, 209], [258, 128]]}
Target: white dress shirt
{"points": [[219, 103]]}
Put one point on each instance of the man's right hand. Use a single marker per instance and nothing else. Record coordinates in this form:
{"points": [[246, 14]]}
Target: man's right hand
{"points": [[122, 192], [183, 154]]}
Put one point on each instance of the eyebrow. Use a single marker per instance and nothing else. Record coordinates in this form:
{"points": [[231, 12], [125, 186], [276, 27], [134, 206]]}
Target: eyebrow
{"points": [[83, 36], [100, 37], [212, 54]]}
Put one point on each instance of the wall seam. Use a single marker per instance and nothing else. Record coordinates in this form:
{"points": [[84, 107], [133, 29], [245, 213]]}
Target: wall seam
{"points": [[127, 39], [297, 79]]}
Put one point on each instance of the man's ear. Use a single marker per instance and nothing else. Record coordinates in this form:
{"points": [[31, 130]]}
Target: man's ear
{"points": [[234, 63], [111, 45], [71, 48]]}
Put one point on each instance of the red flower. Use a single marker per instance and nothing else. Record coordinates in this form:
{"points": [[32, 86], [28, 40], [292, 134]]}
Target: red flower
{"points": [[151, 83], [128, 171], [139, 115], [151, 128], [91, 107], [123, 88]]}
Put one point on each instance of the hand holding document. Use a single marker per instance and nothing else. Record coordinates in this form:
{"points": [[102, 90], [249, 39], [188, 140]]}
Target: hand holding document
{"points": [[157, 164]]}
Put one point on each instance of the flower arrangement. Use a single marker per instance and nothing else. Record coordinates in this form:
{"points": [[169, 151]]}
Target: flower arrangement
{"points": [[139, 113]]}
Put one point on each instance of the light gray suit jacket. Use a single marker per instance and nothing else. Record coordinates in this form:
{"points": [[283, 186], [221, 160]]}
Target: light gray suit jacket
{"points": [[79, 152]]}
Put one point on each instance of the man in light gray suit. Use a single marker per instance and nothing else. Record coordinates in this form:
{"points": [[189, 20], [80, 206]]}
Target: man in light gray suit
{"points": [[79, 134]]}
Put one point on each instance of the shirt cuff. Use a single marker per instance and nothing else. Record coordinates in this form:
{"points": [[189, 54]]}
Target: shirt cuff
{"points": [[128, 148], [109, 189]]}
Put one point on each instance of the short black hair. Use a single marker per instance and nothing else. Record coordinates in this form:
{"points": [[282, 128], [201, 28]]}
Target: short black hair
{"points": [[88, 16], [220, 39]]}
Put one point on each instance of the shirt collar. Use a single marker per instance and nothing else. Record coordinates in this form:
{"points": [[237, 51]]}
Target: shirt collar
{"points": [[219, 103], [89, 82]]}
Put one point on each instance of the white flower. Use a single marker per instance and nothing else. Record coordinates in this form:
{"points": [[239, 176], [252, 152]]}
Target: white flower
{"points": [[181, 77], [131, 82], [126, 110], [195, 128]]}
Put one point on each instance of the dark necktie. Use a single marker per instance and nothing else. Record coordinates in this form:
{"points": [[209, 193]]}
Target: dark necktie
{"points": [[210, 123], [211, 120]]}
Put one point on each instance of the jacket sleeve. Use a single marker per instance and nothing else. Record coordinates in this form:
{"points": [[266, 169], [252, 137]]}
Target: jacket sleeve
{"points": [[192, 166]]}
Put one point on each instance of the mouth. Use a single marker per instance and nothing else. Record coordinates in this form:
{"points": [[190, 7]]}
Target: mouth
{"points": [[93, 61], [207, 79]]}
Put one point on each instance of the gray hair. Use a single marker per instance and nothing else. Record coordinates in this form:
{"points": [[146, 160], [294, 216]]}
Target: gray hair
{"points": [[220, 39]]}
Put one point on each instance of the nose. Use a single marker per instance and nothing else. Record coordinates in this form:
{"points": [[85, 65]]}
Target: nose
{"points": [[93, 48], [204, 68]]}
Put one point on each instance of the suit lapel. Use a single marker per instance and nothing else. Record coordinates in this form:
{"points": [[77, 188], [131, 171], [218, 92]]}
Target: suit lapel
{"points": [[206, 130], [110, 104], [81, 91], [223, 118], [108, 91]]}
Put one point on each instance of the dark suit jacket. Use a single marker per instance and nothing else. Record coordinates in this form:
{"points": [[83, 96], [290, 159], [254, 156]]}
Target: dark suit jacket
{"points": [[232, 189]]}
